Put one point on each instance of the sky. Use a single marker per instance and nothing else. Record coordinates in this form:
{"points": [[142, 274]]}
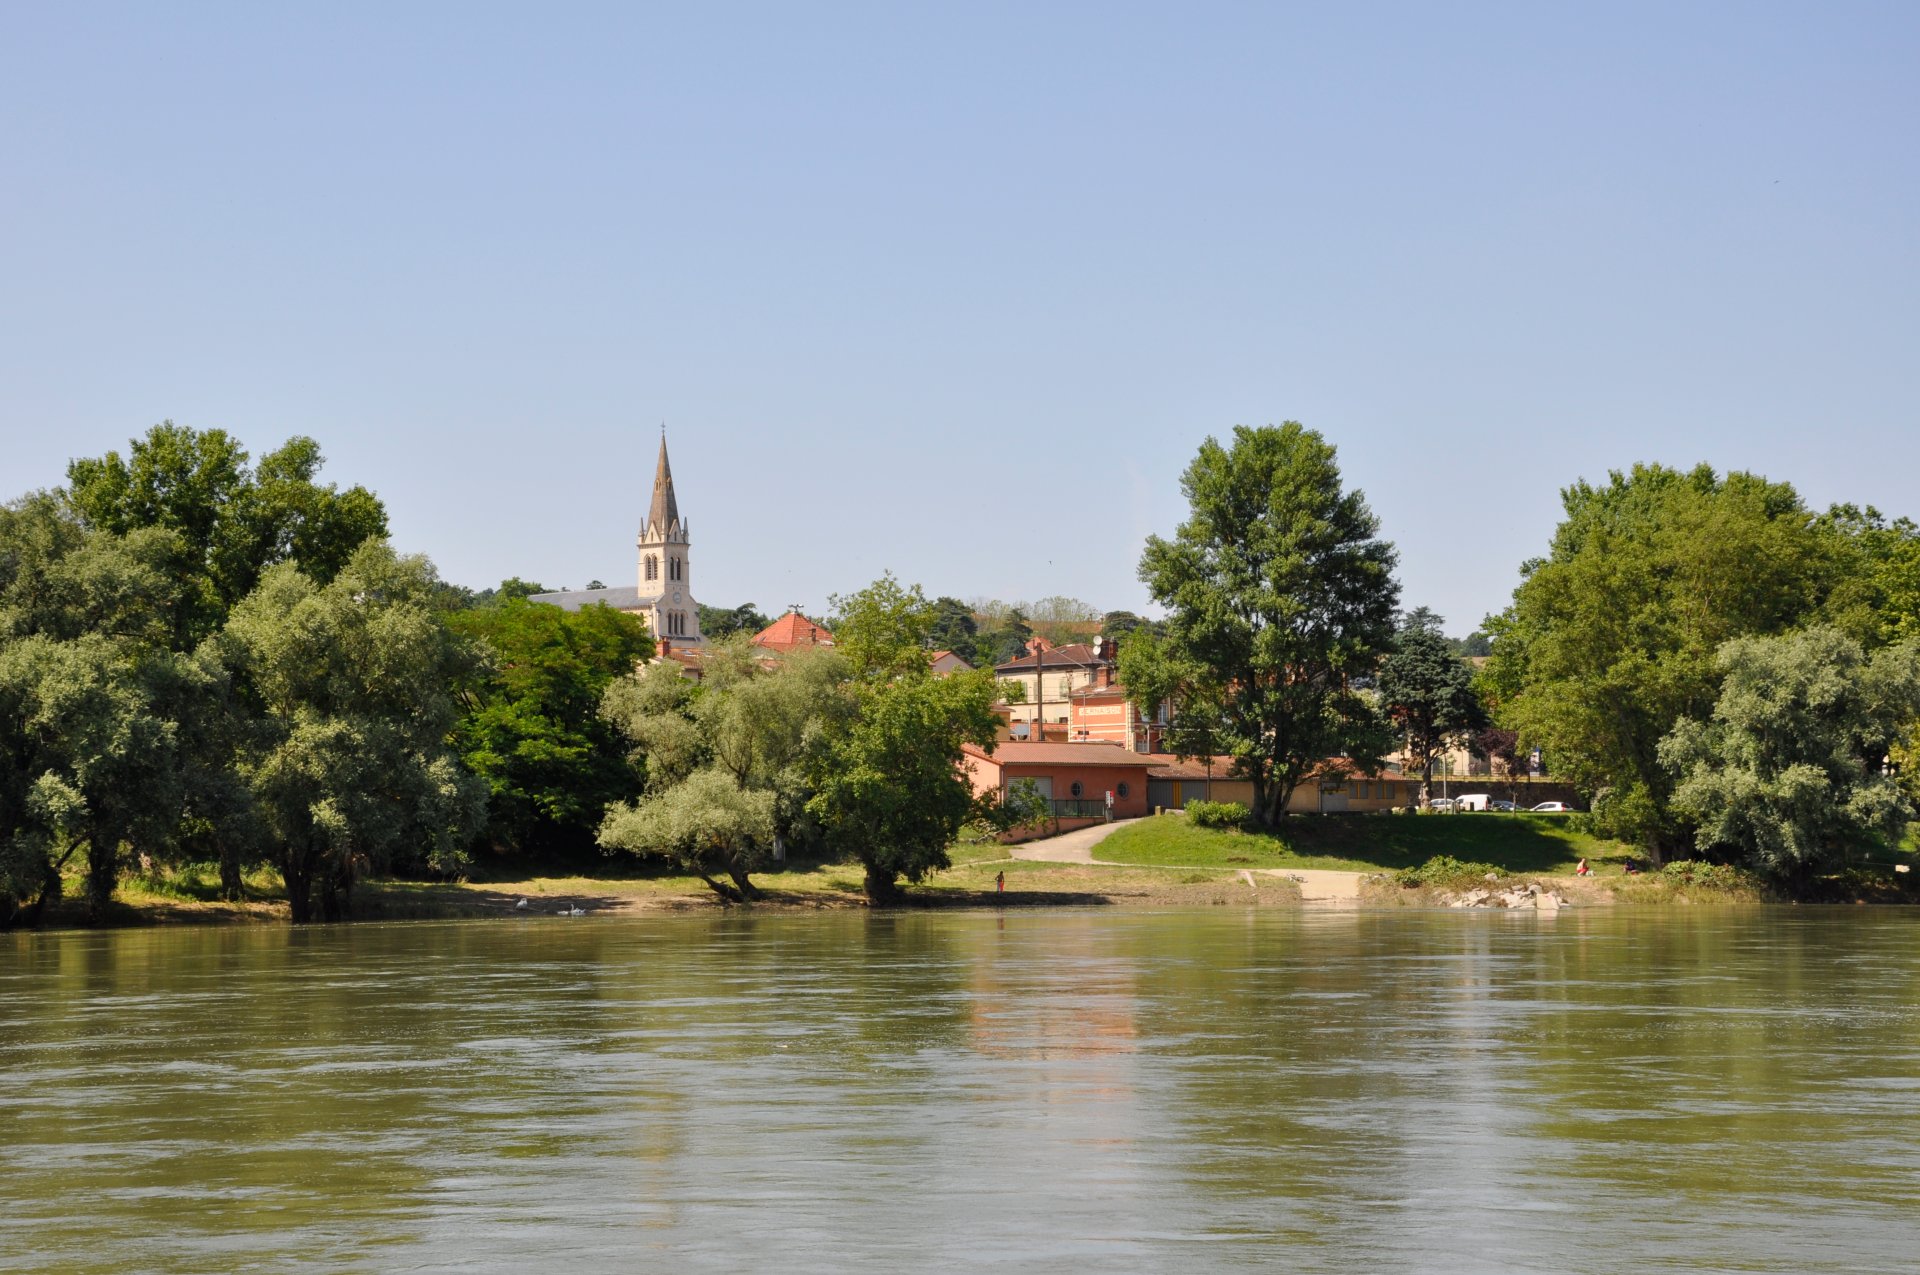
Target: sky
{"points": [[957, 291]]}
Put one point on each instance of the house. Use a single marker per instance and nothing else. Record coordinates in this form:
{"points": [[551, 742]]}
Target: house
{"points": [[791, 632], [945, 662], [1102, 713], [1075, 777], [1047, 676]]}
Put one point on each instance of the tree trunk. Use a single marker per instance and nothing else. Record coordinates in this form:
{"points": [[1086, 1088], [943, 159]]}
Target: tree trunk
{"points": [[726, 892], [748, 890], [298, 876], [232, 886], [103, 867], [882, 884]]}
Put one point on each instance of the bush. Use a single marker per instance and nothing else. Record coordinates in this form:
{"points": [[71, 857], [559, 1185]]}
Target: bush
{"points": [[1722, 876], [1443, 869], [1216, 814]]}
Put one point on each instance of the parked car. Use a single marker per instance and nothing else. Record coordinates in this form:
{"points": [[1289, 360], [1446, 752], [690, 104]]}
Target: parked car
{"points": [[1440, 803], [1551, 808], [1507, 806]]}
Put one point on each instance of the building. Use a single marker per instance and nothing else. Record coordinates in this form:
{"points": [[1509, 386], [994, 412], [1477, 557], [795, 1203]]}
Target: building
{"points": [[1048, 675], [1076, 778], [945, 662], [792, 632], [1101, 713], [1173, 781], [663, 594]]}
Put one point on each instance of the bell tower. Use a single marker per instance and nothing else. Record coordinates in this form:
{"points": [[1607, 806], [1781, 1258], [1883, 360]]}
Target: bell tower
{"points": [[666, 589]]}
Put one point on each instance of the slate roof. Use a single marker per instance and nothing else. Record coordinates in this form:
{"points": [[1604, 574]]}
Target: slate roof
{"points": [[626, 598]]}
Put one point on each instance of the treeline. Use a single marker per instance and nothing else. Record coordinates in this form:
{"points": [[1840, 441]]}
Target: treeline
{"points": [[206, 659], [1727, 673]]}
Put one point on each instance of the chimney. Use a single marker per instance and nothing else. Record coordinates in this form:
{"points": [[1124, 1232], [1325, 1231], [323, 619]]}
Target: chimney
{"points": [[1104, 678]]}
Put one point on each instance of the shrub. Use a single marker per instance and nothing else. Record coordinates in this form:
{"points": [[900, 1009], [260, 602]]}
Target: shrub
{"points": [[1443, 869], [1216, 814], [1722, 876]]}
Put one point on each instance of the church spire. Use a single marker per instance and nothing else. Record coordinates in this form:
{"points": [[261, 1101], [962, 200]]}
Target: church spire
{"points": [[664, 516]]}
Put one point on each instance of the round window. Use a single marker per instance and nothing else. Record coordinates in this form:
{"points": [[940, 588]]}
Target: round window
{"points": [[1120, 789], [1076, 788]]}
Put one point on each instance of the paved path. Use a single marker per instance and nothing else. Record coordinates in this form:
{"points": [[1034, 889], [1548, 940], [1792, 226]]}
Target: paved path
{"points": [[1069, 847], [1317, 885]]}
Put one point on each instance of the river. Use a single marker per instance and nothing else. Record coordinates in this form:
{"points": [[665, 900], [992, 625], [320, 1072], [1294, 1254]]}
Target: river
{"points": [[1601, 1090]]}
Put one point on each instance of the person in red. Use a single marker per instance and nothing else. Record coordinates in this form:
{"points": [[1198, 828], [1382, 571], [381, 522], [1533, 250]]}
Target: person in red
{"points": [[1583, 870], [1000, 882]]}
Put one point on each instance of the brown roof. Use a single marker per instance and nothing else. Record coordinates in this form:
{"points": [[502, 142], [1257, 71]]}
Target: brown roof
{"points": [[1092, 753], [1168, 766], [1056, 657], [792, 630]]}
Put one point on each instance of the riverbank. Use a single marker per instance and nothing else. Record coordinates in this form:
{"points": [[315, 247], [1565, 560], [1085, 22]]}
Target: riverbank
{"points": [[190, 896]]}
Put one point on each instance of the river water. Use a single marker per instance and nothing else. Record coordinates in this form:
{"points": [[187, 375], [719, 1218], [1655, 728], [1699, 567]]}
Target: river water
{"points": [[1604, 1090]]}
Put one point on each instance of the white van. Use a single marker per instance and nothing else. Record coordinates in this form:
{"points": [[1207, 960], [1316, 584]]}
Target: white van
{"points": [[1471, 801]]}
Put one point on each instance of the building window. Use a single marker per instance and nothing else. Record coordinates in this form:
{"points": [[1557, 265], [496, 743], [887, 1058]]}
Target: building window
{"points": [[1120, 789], [653, 567], [1075, 789], [673, 568]]}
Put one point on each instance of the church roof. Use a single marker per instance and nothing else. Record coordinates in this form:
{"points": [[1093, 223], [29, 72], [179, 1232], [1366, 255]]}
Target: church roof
{"points": [[626, 598], [664, 515], [792, 630]]}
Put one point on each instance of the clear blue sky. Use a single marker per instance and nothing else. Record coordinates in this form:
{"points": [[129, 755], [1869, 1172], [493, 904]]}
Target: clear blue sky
{"points": [[957, 292]]}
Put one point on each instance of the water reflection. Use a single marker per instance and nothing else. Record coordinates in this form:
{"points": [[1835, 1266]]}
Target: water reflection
{"points": [[1592, 1091]]}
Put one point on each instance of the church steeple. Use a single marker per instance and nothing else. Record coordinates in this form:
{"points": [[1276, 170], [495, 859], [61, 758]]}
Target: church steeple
{"points": [[666, 569], [663, 519]]}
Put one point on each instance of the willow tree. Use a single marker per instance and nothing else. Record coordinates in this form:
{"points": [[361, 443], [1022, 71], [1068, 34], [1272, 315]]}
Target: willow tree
{"points": [[347, 757], [1279, 594]]}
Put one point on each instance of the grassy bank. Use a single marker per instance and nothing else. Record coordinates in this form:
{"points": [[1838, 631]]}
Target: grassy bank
{"points": [[1519, 843], [190, 895]]}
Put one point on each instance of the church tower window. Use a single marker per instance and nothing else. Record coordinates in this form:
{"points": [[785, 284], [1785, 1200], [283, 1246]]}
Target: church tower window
{"points": [[653, 567]]}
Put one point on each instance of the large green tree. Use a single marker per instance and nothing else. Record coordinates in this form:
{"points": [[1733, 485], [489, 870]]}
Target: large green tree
{"points": [[890, 788], [348, 760], [1612, 637], [530, 724], [1787, 774], [1426, 691], [235, 520], [1279, 594]]}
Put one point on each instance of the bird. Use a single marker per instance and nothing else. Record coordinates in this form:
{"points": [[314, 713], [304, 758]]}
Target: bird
{"points": [[570, 910], [522, 905]]}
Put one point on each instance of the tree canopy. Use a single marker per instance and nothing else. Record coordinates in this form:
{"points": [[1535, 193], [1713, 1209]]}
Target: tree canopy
{"points": [[1279, 593], [1787, 773], [1426, 690], [1613, 637]]}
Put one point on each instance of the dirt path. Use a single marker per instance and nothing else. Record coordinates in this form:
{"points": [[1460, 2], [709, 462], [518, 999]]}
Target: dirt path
{"points": [[1317, 885]]}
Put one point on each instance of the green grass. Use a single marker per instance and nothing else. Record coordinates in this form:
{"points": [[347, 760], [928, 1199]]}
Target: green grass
{"points": [[1518, 843]]}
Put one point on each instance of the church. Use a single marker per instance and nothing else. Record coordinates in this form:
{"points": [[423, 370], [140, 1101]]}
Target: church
{"points": [[663, 595]]}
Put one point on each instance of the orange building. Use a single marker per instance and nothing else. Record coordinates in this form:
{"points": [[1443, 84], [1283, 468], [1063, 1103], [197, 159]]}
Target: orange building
{"points": [[1075, 777]]}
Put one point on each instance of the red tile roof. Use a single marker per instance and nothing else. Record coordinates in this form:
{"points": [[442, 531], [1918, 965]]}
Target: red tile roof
{"points": [[1077, 653], [792, 630]]}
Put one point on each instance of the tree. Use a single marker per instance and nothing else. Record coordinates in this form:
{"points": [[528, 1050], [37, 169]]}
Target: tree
{"points": [[728, 760], [1061, 620], [1786, 774], [953, 628], [1116, 625], [1876, 594], [889, 787], [348, 759], [1612, 638], [1501, 748], [529, 723], [1279, 594], [234, 521], [1427, 691], [719, 622]]}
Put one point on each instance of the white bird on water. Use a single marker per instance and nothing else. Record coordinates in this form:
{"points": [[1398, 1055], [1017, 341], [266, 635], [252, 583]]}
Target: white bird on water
{"points": [[522, 905], [570, 910]]}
